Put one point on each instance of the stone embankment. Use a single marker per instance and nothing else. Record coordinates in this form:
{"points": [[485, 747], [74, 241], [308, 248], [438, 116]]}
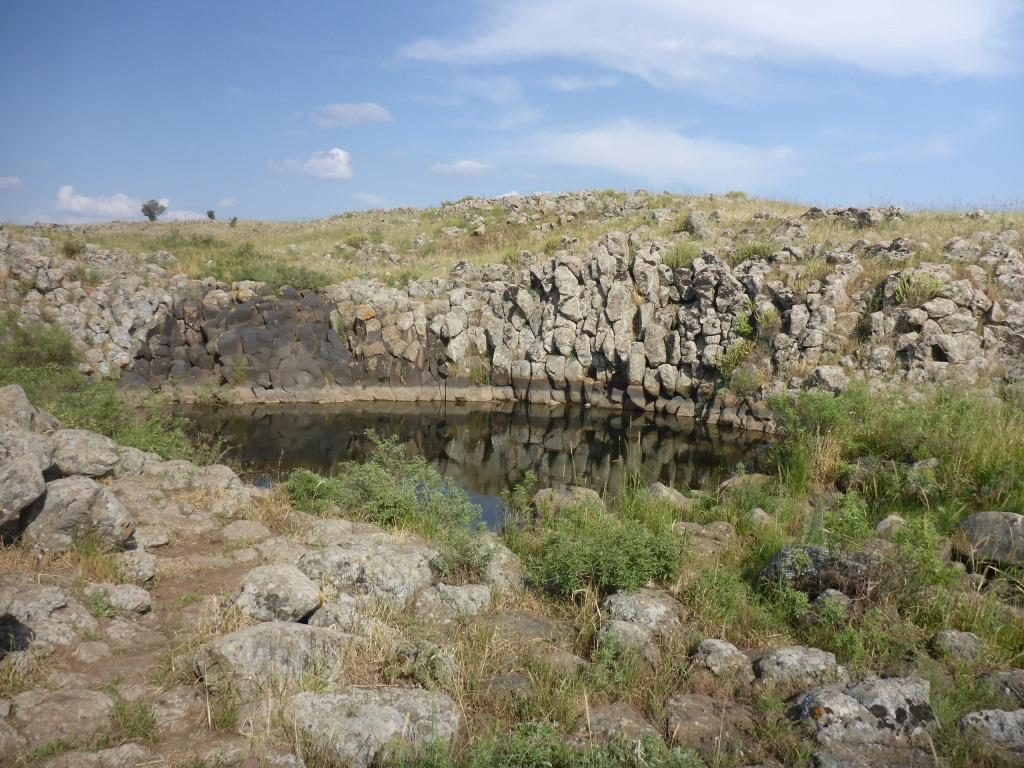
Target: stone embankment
{"points": [[622, 323]]}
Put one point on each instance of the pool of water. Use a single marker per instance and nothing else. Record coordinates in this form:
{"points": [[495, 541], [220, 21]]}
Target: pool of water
{"points": [[487, 449]]}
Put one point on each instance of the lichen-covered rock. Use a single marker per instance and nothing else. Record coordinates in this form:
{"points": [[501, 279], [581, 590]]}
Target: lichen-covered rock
{"points": [[798, 668], [17, 442], [661, 493], [653, 609], [563, 497], [40, 618], [998, 731], [991, 537], [76, 508], [272, 657], [357, 726], [504, 570], [122, 597], [278, 593], [21, 483], [79, 452], [444, 602], [723, 660], [815, 569], [961, 647], [1006, 686], [136, 565], [391, 571]]}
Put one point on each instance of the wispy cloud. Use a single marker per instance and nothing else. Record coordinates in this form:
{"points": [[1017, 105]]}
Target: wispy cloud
{"points": [[358, 113], [227, 202], [331, 164], [661, 156], [184, 215], [118, 206], [929, 148], [11, 182], [573, 83], [370, 199], [505, 94], [460, 168], [692, 42]]}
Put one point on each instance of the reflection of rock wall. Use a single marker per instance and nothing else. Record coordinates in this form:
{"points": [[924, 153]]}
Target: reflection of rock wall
{"points": [[488, 450]]}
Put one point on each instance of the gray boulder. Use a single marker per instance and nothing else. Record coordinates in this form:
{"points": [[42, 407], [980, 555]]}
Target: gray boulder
{"points": [[563, 497], [391, 571], [76, 508], [122, 597], [270, 658], [278, 593], [661, 493], [41, 618], [17, 442], [798, 668], [21, 483], [991, 537], [997, 731], [1007, 686], [15, 407], [723, 660], [814, 570], [444, 602], [961, 647], [357, 727], [78, 452]]}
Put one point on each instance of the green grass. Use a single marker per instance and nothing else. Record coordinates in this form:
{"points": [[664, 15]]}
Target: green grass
{"points": [[682, 255], [399, 492], [43, 360], [536, 745], [588, 548]]}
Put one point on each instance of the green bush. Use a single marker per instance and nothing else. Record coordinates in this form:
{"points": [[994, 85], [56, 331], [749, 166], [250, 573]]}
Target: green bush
{"points": [[32, 344], [587, 548], [752, 251], [392, 490]]}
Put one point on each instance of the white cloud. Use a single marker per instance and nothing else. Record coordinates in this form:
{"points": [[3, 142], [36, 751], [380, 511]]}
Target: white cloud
{"points": [[460, 168], [680, 42], [360, 113], [370, 199], [931, 148], [331, 164], [11, 182], [183, 215], [117, 206], [227, 202], [505, 94], [660, 156], [573, 83]]}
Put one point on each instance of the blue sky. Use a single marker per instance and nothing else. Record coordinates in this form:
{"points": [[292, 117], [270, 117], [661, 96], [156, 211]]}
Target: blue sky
{"points": [[301, 110]]}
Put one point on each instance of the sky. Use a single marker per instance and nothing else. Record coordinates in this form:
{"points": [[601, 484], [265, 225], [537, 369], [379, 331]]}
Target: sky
{"points": [[271, 110]]}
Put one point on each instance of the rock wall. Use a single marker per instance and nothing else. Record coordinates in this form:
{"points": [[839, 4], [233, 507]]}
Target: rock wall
{"points": [[622, 324]]}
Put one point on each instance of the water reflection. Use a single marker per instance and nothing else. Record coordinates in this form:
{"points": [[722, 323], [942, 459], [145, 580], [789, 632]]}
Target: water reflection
{"points": [[487, 449]]}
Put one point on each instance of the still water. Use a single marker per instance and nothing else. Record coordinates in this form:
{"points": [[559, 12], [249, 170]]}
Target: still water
{"points": [[487, 449]]}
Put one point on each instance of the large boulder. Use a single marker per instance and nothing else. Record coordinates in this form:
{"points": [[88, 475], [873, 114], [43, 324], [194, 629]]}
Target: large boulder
{"points": [[991, 537], [391, 571], [814, 570], [562, 497], [76, 508], [17, 442], [722, 660], [278, 593], [270, 658], [40, 618], [618, 722], [15, 407], [997, 731], [78, 452], [357, 727], [798, 668], [21, 483]]}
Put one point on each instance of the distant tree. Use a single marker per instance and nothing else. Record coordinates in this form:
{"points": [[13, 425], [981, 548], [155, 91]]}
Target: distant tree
{"points": [[234, 220], [153, 208], [211, 215]]}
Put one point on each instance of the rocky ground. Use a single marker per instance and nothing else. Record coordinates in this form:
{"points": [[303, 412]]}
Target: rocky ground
{"points": [[162, 613]]}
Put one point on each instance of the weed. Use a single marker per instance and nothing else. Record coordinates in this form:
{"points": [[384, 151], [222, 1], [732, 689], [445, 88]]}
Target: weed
{"points": [[682, 255], [915, 288]]}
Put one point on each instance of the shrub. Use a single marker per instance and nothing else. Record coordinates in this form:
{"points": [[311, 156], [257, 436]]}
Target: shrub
{"points": [[356, 240], [246, 263], [587, 548], [752, 251], [392, 490], [72, 248], [211, 215], [916, 288], [32, 344]]}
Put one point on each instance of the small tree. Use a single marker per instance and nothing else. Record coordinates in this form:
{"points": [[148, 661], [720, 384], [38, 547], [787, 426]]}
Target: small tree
{"points": [[211, 215], [234, 220], [153, 208]]}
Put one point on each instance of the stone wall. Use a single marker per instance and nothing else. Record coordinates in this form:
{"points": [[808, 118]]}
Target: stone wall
{"points": [[613, 325]]}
